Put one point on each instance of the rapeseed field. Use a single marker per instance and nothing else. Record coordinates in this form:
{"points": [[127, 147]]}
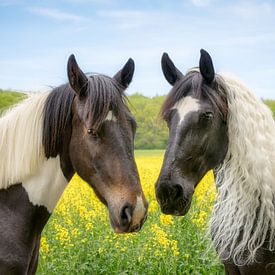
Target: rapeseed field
{"points": [[79, 240]]}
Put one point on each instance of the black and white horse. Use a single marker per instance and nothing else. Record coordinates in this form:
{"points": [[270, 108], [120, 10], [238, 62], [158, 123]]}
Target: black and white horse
{"points": [[84, 127], [216, 122]]}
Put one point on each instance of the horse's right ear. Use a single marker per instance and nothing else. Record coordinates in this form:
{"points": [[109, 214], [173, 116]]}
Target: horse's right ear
{"points": [[77, 78], [125, 75], [171, 73]]}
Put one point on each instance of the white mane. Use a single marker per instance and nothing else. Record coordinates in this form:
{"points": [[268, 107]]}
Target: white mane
{"points": [[244, 213], [21, 149]]}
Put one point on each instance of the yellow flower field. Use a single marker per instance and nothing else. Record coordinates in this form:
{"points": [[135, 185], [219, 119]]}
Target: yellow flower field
{"points": [[79, 239]]}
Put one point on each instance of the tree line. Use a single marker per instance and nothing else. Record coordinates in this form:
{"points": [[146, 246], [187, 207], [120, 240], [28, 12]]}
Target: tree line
{"points": [[152, 132]]}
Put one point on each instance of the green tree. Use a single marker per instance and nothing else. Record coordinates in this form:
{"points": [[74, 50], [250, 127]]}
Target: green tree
{"points": [[152, 133]]}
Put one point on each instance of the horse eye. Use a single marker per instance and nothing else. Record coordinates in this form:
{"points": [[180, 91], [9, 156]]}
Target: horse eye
{"points": [[207, 116], [92, 133]]}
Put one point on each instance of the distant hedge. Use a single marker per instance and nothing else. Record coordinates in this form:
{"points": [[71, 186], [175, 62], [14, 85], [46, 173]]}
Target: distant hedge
{"points": [[271, 104], [8, 98]]}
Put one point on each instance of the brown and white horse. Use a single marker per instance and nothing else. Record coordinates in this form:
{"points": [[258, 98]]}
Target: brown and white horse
{"points": [[84, 127], [215, 122]]}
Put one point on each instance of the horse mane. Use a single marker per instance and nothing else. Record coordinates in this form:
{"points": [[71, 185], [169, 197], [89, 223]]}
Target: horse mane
{"points": [[21, 150], [57, 115], [244, 214], [103, 94]]}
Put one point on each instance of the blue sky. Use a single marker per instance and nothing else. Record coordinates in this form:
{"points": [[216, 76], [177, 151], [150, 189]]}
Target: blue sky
{"points": [[37, 38]]}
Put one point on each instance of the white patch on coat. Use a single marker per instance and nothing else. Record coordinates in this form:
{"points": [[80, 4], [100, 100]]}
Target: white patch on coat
{"points": [[110, 116], [185, 106], [47, 185], [139, 211]]}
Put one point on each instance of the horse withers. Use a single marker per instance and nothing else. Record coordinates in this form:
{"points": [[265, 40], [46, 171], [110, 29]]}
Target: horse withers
{"points": [[85, 127], [215, 122]]}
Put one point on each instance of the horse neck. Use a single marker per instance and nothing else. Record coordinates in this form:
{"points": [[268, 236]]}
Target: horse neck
{"points": [[23, 157]]}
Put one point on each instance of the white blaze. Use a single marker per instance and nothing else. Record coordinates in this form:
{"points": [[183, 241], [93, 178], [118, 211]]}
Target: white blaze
{"points": [[110, 116], [185, 106], [47, 185]]}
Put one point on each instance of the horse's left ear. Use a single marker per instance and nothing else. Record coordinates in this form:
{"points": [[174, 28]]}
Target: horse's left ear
{"points": [[206, 67], [170, 71], [125, 75], [77, 78]]}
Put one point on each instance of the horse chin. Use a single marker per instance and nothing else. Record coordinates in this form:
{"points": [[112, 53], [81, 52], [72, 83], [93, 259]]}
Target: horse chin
{"points": [[184, 211], [176, 209], [118, 229]]}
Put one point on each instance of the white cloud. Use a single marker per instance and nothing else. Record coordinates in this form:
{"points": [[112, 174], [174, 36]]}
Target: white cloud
{"points": [[57, 14], [200, 3]]}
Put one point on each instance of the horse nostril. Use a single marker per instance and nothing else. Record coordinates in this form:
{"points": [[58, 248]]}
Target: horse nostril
{"points": [[136, 228], [178, 191], [126, 215]]}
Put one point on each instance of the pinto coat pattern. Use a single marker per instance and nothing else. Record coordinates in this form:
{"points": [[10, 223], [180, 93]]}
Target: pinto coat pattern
{"points": [[84, 127]]}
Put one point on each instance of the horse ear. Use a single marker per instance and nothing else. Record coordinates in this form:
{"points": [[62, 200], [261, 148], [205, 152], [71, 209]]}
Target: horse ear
{"points": [[171, 73], [125, 75], [77, 78], [206, 66]]}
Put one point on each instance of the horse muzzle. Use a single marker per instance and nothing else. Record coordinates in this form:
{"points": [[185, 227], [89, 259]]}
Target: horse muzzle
{"points": [[129, 219], [174, 198]]}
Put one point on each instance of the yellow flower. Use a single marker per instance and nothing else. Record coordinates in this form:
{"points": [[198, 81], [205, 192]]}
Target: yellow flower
{"points": [[200, 219], [62, 234], [153, 206], [44, 247], [101, 250], [161, 236], [166, 219], [88, 226], [175, 249]]}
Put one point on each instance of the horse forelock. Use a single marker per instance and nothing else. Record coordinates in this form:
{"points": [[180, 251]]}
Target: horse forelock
{"points": [[103, 94], [193, 81]]}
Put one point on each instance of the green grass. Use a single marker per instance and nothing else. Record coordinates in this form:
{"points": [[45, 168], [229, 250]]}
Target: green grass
{"points": [[9, 98]]}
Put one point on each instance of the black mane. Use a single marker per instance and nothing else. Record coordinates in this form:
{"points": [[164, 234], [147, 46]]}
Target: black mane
{"points": [[194, 81], [57, 115], [102, 95]]}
